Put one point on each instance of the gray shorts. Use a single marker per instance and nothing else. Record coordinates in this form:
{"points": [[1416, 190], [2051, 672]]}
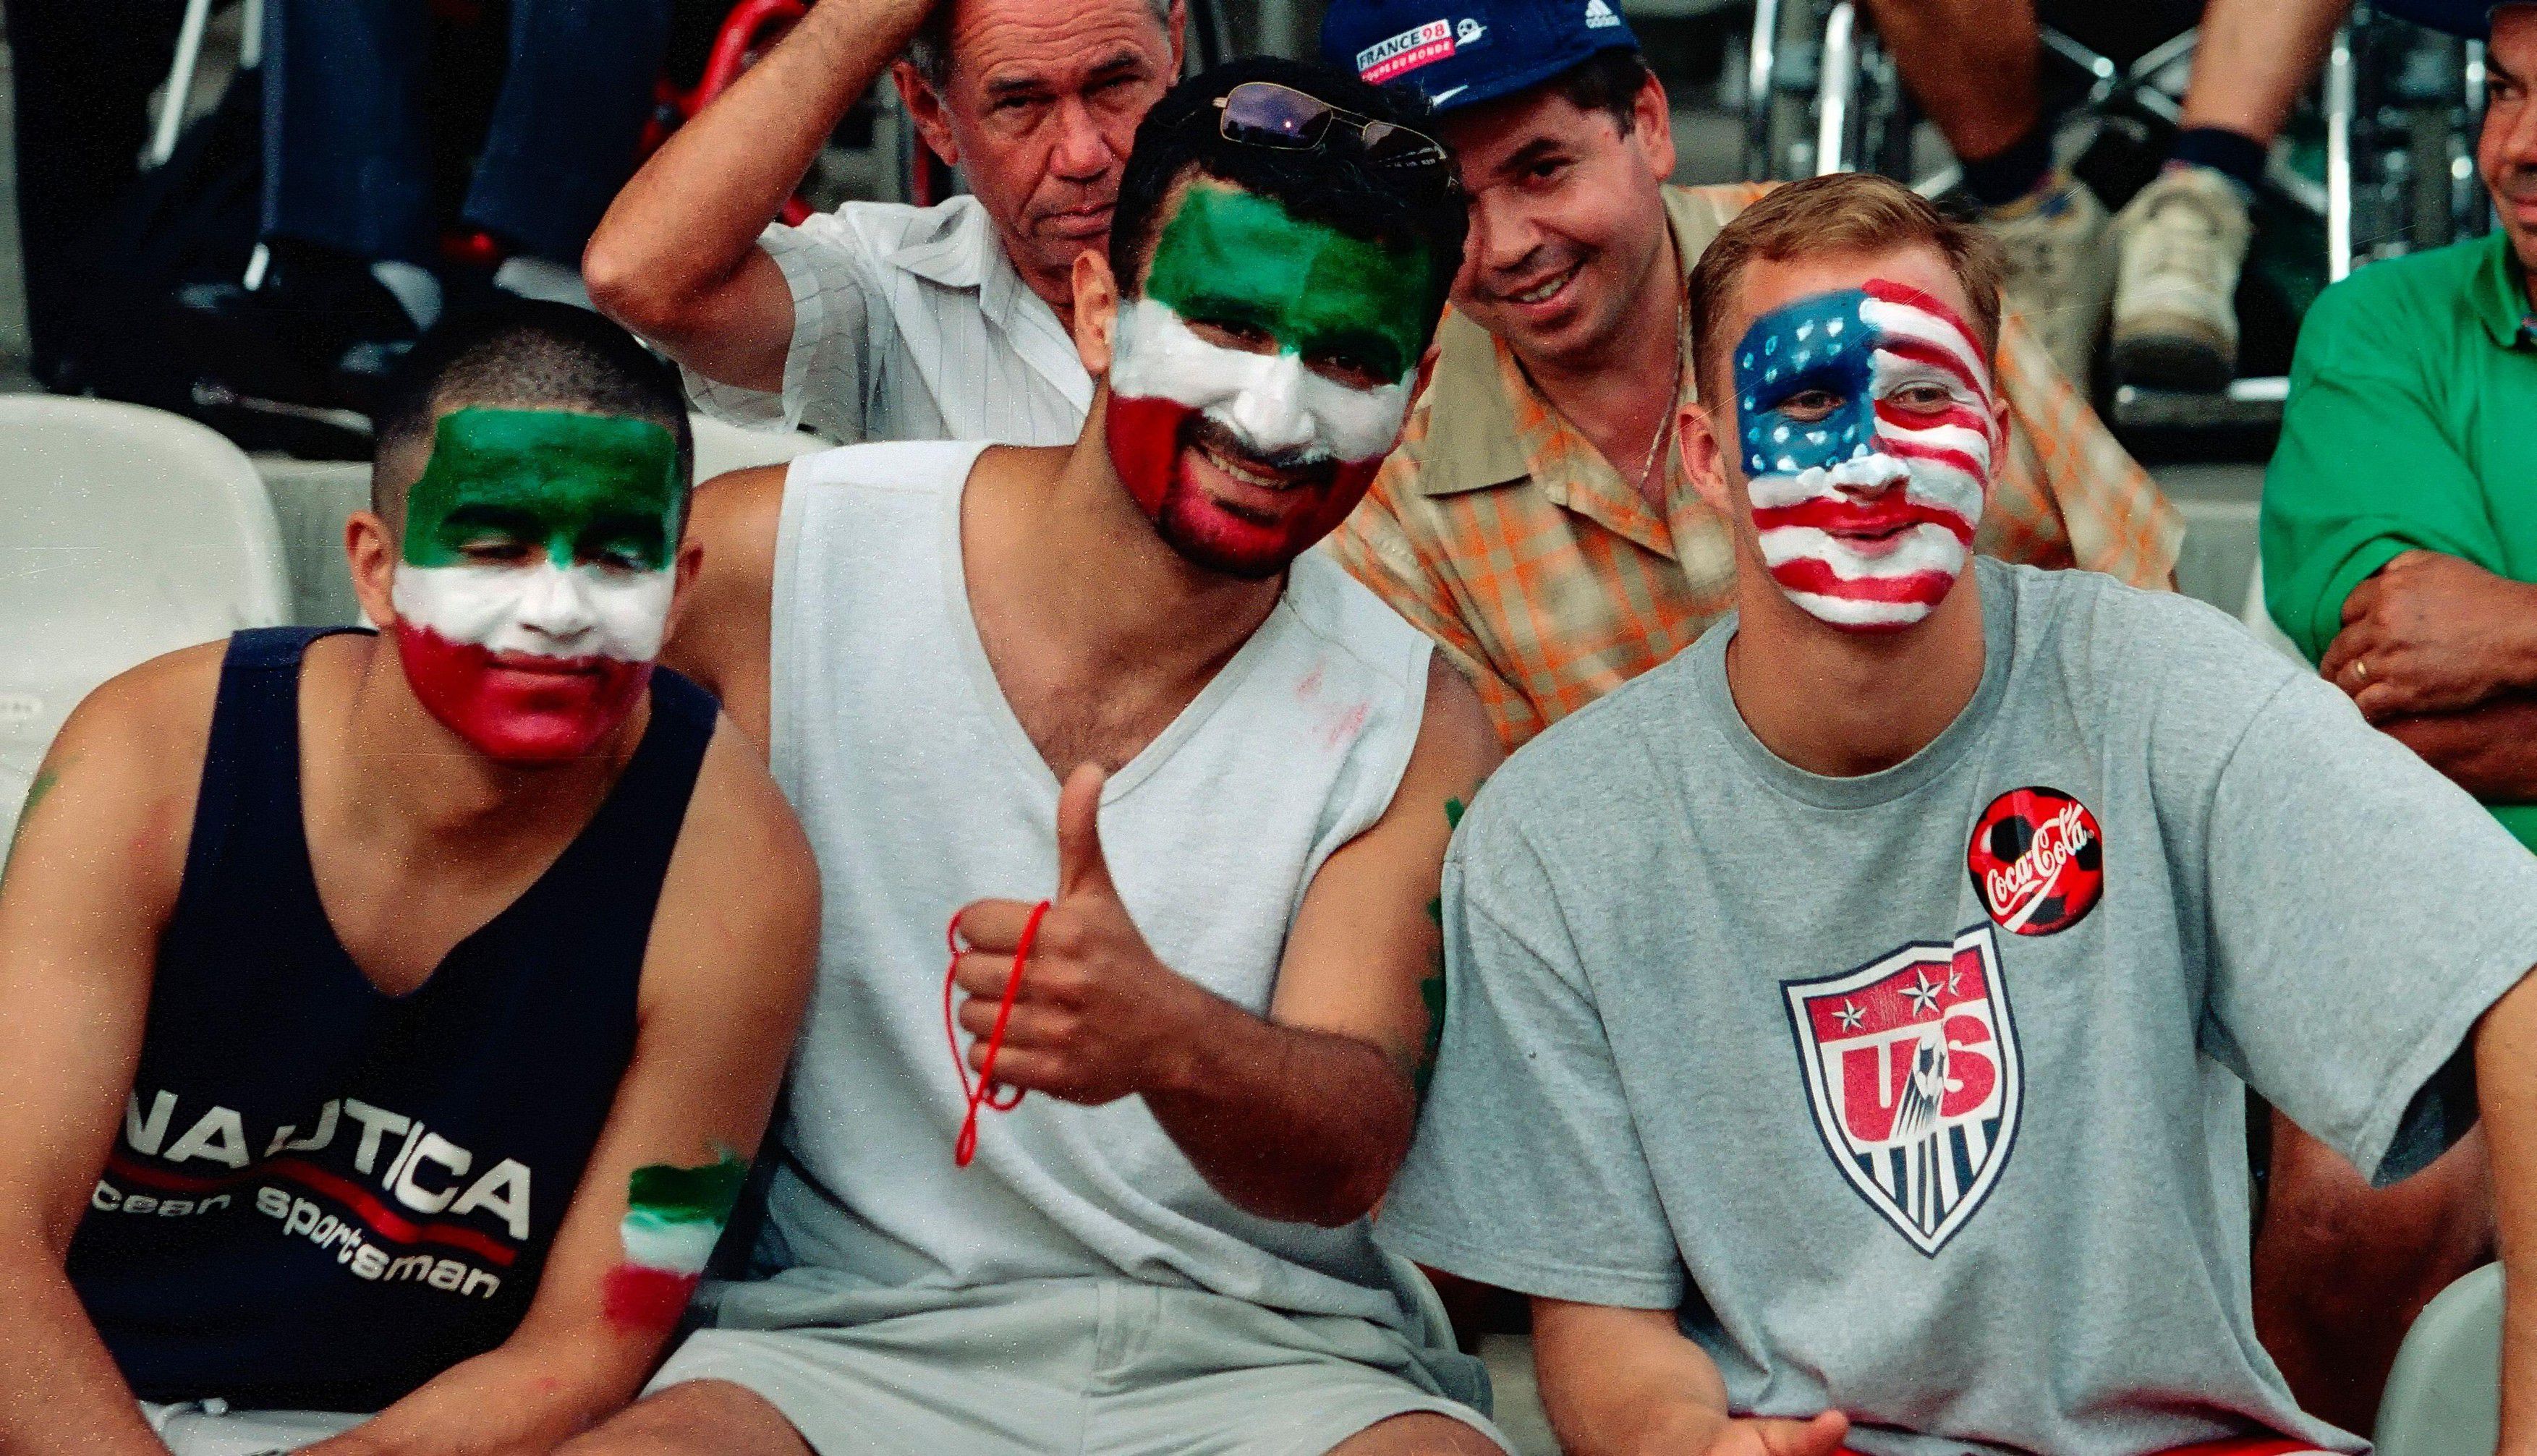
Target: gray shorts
{"points": [[212, 1429], [1101, 1368]]}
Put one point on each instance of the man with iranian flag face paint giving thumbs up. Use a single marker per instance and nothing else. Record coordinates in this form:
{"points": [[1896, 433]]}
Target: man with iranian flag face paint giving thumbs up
{"points": [[1122, 791]]}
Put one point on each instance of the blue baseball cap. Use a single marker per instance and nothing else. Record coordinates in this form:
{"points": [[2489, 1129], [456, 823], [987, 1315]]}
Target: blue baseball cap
{"points": [[1459, 53]]}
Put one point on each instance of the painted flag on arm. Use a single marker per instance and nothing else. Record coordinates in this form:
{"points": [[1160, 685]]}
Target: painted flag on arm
{"points": [[673, 1218]]}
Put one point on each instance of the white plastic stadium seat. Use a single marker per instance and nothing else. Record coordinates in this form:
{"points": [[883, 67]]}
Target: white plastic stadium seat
{"points": [[124, 532], [723, 448], [2444, 1395], [2259, 619]]}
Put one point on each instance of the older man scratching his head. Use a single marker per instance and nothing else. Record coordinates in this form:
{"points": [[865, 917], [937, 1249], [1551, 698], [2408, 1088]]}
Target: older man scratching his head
{"points": [[1535, 520], [881, 321]]}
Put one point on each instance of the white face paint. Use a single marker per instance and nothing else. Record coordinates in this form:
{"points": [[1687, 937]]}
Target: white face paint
{"points": [[541, 610], [1270, 401]]}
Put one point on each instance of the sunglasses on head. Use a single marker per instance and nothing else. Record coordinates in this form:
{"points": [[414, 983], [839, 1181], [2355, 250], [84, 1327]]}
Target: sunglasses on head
{"points": [[1263, 113]]}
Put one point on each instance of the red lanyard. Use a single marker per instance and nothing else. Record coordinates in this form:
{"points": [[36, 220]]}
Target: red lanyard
{"points": [[982, 1091]]}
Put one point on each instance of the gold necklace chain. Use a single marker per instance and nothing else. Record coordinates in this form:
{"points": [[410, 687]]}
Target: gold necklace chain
{"points": [[1664, 422]]}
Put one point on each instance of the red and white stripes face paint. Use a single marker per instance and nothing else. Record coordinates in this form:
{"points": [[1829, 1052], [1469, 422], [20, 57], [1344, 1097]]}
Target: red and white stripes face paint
{"points": [[1866, 434]]}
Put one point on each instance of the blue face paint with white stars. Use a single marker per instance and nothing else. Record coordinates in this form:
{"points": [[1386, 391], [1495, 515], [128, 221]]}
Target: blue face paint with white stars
{"points": [[1818, 342]]}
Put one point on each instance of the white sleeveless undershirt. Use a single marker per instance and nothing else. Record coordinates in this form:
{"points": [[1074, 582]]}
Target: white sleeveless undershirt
{"points": [[921, 793]]}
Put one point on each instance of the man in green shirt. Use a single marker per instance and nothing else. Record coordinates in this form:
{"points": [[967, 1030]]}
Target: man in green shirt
{"points": [[2400, 554], [2401, 513]]}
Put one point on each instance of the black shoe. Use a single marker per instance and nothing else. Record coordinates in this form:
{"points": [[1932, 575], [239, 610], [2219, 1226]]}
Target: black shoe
{"points": [[320, 330]]}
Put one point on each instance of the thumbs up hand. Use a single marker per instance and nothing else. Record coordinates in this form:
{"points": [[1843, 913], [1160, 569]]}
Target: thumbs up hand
{"points": [[1097, 1016]]}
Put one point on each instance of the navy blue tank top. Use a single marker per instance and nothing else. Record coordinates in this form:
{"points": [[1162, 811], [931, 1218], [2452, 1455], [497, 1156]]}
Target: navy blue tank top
{"points": [[323, 1195]]}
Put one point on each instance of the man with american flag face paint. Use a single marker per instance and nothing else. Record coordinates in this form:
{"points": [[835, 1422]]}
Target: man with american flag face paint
{"points": [[1866, 422], [1813, 996]]}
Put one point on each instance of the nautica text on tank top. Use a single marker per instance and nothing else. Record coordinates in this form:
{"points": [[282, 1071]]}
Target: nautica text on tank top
{"points": [[322, 1195], [921, 793]]}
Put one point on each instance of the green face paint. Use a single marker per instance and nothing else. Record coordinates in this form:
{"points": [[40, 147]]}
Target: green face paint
{"points": [[582, 487], [1228, 257]]}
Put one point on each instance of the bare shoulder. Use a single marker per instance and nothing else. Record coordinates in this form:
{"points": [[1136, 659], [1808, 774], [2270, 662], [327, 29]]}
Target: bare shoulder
{"points": [[124, 770], [740, 512], [1456, 737], [742, 875], [1457, 748], [152, 723], [720, 635], [736, 519]]}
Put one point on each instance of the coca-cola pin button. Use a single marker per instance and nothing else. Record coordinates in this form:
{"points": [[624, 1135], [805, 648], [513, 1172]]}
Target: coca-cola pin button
{"points": [[2038, 861]]}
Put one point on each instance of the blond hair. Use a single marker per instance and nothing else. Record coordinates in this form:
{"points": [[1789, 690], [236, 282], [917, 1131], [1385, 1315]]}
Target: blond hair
{"points": [[1846, 212]]}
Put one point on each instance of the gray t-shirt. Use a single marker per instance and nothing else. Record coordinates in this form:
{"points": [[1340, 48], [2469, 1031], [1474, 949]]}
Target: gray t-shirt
{"points": [[1919, 1092]]}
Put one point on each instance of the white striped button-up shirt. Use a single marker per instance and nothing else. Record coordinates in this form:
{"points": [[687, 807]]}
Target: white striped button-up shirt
{"points": [[911, 324]]}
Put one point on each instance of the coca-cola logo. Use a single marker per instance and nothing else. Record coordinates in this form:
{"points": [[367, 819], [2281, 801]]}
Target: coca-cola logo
{"points": [[2037, 861]]}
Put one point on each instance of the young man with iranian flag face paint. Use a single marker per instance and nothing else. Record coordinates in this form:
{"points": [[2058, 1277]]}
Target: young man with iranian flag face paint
{"points": [[1181, 788], [445, 967], [534, 582]]}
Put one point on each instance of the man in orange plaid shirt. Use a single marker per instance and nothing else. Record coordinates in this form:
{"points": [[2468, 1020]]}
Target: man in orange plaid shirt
{"points": [[1535, 520]]}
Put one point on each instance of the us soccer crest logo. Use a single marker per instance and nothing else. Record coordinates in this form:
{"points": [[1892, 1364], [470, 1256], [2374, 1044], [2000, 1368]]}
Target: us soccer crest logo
{"points": [[2038, 861], [1912, 1067]]}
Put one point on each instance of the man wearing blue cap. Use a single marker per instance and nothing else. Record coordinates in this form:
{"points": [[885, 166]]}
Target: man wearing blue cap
{"points": [[1535, 520], [2400, 554]]}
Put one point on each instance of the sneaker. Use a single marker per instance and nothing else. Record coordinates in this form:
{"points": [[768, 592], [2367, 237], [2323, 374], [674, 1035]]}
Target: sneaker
{"points": [[2059, 271], [2181, 242], [323, 330]]}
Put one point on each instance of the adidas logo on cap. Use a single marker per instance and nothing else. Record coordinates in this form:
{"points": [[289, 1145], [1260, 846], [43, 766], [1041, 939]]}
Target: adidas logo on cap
{"points": [[1599, 14]]}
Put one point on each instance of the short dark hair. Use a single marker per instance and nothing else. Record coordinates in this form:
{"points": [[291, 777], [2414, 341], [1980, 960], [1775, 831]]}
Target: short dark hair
{"points": [[1608, 80], [1333, 185], [524, 354]]}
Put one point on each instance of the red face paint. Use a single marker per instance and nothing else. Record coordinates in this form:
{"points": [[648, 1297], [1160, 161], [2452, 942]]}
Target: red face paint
{"points": [[1256, 537], [546, 711]]}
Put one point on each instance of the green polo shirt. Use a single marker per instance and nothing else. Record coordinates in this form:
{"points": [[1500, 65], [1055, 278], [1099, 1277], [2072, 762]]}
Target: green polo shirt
{"points": [[2412, 413]]}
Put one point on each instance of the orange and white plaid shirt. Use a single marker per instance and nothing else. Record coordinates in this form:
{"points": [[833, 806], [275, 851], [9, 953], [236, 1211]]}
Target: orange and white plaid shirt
{"points": [[1499, 530]]}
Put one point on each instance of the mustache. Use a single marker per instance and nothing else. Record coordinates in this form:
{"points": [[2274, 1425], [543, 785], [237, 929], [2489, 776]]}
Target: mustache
{"points": [[1207, 432]]}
